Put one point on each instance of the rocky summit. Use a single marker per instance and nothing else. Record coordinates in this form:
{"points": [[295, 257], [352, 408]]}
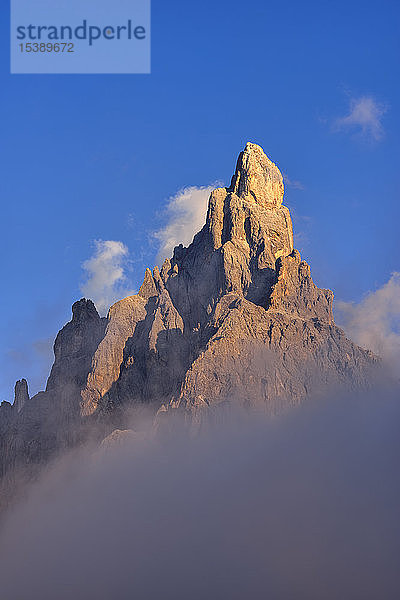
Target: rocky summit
{"points": [[235, 316]]}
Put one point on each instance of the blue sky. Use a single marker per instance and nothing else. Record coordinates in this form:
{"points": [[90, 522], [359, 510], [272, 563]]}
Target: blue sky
{"points": [[96, 157]]}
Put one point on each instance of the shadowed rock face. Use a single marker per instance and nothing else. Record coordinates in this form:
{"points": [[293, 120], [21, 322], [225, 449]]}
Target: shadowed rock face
{"points": [[74, 347], [236, 315], [21, 395]]}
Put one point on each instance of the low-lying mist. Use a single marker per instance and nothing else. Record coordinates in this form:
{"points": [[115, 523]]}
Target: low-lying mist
{"points": [[302, 506]]}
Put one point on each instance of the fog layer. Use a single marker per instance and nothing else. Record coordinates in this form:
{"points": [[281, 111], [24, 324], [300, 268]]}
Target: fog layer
{"points": [[305, 506]]}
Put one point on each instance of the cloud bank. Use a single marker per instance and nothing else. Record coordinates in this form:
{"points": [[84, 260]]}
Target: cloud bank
{"points": [[364, 118], [303, 506], [374, 323], [185, 216], [106, 279]]}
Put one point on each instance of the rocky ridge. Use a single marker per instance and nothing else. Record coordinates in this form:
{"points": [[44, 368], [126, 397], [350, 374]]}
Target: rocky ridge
{"points": [[234, 316]]}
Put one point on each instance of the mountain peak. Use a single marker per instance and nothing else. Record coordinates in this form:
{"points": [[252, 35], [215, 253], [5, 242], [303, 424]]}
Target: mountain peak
{"points": [[84, 310], [235, 316], [257, 176]]}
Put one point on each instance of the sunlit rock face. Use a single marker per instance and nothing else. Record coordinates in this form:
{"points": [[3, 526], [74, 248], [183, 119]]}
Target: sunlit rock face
{"points": [[234, 316], [257, 176]]}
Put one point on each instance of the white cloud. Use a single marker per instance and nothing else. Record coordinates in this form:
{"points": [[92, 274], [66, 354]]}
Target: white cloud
{"points": [[374, 323], [186, 214], [365, 117], [106, 279]]}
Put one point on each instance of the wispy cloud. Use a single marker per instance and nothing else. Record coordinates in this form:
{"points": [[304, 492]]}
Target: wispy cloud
{"points": [[293, 183], [106, 279], [364, 118], [374, 323], [185, 216]]}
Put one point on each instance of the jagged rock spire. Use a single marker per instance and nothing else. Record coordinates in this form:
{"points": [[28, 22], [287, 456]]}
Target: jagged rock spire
{"points": [[84, 310], [247, 229], [75, 345], [257, 176], [21, 394]]}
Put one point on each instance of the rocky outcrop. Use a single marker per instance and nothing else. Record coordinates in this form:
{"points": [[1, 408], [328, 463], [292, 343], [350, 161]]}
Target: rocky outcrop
{"points": [[295, 292], [35, 429], [269, 359], [75, 346], [120, 438], [109, 355], [21, 394], [235, 316], [256, 175]]}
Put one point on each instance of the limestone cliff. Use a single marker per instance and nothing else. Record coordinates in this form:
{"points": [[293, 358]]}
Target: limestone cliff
{"points": [[234, 316]]}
